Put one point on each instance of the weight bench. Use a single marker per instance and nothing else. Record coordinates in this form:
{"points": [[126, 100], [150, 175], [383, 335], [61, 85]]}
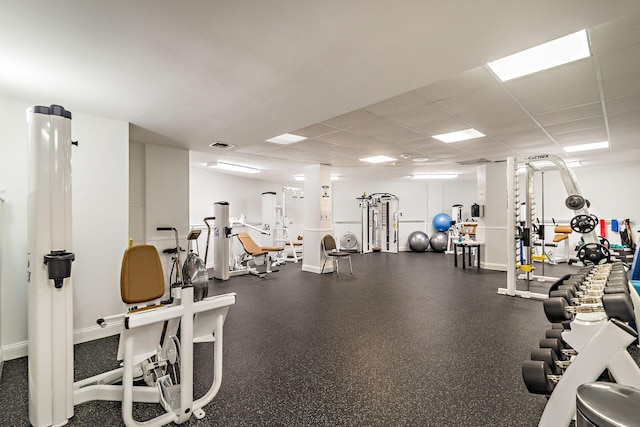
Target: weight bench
{"points": [[149, 346], [561, 234], [259, 255]]}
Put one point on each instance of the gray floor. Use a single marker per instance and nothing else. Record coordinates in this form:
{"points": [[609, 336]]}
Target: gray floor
{"points": [[407, 340]]}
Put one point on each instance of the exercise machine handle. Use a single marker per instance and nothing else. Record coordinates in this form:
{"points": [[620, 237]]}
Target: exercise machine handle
{"points": [[165, 229]]}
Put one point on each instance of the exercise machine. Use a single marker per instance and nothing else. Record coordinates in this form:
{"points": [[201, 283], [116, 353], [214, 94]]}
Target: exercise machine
{"points": [[224, 251], [520, 222], [276, 221], [380, 218], [52, 392]]}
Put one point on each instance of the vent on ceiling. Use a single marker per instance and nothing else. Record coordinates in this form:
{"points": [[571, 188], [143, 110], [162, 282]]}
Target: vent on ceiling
{"points": [[222, 145], [475, 162]]}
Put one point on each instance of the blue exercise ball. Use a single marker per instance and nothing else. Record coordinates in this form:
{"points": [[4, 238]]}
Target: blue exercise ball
{"points": [[441, 222], [438, 241], [418, 241]]}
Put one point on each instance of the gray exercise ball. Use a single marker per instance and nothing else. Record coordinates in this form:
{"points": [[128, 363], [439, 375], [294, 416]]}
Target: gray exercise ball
{"points": [[418, 241], [438, 241]]}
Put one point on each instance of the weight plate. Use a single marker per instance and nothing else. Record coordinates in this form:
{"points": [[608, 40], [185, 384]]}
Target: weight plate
{"points": [[575, 202]]}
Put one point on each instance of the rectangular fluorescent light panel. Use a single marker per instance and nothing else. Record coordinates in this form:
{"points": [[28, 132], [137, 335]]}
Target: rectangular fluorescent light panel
{"points": [[586, 147], [435, 176], [232, 167], [377, 159], [461, 135], [286, 138], [542, 57], [301, 177]]}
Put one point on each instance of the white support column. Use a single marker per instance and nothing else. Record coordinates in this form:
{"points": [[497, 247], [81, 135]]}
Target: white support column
{"points": [[50, 304], [318, 215]]}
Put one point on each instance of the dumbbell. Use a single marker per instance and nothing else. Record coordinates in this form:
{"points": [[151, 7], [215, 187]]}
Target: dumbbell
{"points": [[538, 377], [617, 305], [548, 356], [558, 346]]}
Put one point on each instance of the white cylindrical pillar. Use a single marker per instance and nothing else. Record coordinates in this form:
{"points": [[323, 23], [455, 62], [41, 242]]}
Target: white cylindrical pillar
{"points": [[50, 290], [221, 240]]}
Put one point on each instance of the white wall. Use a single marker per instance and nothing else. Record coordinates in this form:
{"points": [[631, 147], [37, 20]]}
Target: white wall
{"points": [[100, 223], [419, 202], [244, 196]]}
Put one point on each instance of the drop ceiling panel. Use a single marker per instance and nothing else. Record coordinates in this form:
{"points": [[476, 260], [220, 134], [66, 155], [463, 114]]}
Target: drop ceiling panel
{"points": [[568, 114], [508, 126], [397, 104], [623, 104], [479, 145], [493, 114], [476, 100], [625, 130], [623, 86], [428, 120], [261, 147], [341, 137], [314, 130], [576, 125], [620, 63], [348, 120], [617, 34], [468, 81], [581, 137], [386, 130], [284, 153], [626, 117], [521, 135]]}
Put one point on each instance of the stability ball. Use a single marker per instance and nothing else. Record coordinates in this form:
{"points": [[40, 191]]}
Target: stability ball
{"points": [[418, 241], [441, 222], [438, 241]]}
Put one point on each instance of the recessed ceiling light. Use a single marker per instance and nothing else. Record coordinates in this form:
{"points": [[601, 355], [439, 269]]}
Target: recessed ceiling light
{"points": [[335, 177], [405, 156], [286, 138], [377, 159], [461, 135], [232, 167], [420, 159], [586, 147], [434, 176], [542, 57]]}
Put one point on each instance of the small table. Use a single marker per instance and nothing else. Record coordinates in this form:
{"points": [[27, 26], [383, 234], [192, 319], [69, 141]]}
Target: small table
{"points": [[466, 244]]}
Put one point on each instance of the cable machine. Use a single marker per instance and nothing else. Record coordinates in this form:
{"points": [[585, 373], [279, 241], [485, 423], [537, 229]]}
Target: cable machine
{"points": [[380, 219], [520, 223]]}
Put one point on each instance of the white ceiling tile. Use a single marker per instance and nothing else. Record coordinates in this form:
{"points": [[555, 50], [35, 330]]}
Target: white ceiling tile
{"points": [[567, 114], [616, 34], [261, 147], [429, 120], [623, 86], [397, 104], [350, 119], [314, 130], [507, 126], [581, 137], [624, 117], [521, 135], [386, 130], [492, 114], [475, 100], [468, 81], [576, 125], [620, 62], [340, 137], [623, 104]]}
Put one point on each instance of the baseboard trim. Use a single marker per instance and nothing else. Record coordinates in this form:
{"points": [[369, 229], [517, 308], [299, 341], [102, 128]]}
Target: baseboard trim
{"points": [[21, 349], [493, 266]]}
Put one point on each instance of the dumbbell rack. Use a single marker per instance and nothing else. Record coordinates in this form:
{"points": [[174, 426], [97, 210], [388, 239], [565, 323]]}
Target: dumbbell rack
{"points": [[597, 340], [514, 201]]}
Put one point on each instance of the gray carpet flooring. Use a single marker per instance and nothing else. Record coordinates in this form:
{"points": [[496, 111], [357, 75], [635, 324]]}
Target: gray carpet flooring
{"points": [[407, 340]]}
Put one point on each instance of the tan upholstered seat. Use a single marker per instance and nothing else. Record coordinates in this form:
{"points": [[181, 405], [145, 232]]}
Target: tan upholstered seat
{"points": [[141, 276], [252, 248]]}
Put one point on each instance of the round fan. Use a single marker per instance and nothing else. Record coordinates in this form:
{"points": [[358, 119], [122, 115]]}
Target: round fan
{"points": [[348, 241]]}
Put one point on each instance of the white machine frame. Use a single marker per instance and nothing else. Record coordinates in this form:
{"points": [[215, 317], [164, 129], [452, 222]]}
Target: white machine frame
{"points": [[513, 200], [52, 392], [275, 220], [380, 223]]}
